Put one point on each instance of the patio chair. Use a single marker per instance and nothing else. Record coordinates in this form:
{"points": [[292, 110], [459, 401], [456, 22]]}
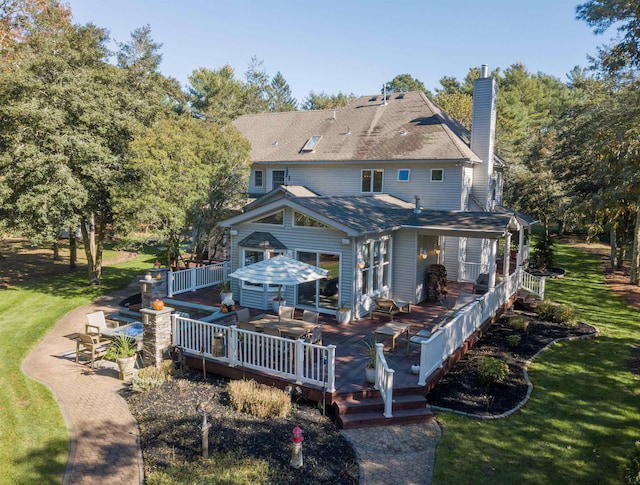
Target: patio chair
{"points": [[316, 336], [388, 307], [97, 325], [243, 315], [286, 311], [310, 316], [90, 347]]}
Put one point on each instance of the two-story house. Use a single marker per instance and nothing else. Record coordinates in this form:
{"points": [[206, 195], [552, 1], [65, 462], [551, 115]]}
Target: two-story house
{"points": [[375, 193]]}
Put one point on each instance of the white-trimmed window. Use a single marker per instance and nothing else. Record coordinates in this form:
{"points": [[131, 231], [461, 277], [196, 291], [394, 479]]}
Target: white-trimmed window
{"points": [[375, 266], [303, 220], [437, 175], [258, 178], [277, 178], [275, 219], [372, 181], [404, 174]]}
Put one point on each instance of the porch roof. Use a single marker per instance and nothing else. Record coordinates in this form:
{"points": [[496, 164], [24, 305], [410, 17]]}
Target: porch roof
{"points": [[368, 215]]}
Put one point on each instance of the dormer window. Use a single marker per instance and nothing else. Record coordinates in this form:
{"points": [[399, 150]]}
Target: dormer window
{"points": [[311, 143]]}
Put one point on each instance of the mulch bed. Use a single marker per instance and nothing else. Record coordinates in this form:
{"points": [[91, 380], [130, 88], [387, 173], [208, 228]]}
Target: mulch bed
{"points": [[462, 390], [170, 432]]}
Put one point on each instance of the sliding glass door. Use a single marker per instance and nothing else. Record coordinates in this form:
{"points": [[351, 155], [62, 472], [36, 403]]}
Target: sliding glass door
{"points": [[321, 294]]}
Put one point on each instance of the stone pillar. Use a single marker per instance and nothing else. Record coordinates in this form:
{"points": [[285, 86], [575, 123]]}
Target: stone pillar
{"points": [[152, 287], [156, 325]]}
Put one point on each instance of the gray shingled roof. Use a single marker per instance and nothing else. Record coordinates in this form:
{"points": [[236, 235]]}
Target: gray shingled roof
{"points": [[389, 214], [264, 240], [409, 127]]}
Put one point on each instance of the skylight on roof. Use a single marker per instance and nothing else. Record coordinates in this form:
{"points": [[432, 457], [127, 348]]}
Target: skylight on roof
{"points": [[311, 143]]}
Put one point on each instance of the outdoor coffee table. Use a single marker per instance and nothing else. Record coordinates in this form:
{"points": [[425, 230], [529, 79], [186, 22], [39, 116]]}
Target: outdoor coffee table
{"points": [[393, 330]]}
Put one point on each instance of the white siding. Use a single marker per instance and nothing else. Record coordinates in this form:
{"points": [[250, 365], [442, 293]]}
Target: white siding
{"points": [[405, 255]]}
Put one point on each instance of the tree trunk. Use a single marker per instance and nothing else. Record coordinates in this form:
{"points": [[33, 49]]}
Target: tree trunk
{"points": [[56, 251], [73, 250], [612, 242], [93, 234], [635, 255]]}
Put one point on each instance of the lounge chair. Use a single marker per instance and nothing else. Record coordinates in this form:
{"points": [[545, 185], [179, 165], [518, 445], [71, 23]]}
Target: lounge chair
{"points": [[388, 307], [90, 347]]}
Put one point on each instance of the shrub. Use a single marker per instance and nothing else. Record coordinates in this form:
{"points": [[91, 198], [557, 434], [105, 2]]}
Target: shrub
{"points": [[492, 369], [631, 470], [514, 340], [150, 377], [519, 322], [544, 251], [259, 400], [556, 312]]}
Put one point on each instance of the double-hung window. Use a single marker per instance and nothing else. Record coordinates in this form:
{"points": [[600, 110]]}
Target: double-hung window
{"points": [[277, 178], [372, 181], [257, 178]]}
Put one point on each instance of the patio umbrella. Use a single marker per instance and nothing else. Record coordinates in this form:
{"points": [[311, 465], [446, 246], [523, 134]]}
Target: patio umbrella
{"points": [[279, 270]]}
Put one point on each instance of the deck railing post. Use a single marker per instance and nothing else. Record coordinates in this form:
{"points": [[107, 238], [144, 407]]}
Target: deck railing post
{"points": [[388, 391], [232, 346], [299, 360], [170, 281], [331, 368], [422, 378]]}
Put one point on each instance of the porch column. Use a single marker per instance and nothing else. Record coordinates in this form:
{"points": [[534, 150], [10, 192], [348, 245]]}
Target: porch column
{"points": [[507, 255], [520, 247], [493, 245], [156, 338]]}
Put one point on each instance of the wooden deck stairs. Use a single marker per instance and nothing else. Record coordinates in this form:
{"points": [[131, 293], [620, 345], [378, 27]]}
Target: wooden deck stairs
{"points": [[363, 409], [527, 300]]}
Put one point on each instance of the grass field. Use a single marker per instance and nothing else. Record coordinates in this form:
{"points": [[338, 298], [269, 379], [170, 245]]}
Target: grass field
{"points": [[584, 414], [34, 442]]}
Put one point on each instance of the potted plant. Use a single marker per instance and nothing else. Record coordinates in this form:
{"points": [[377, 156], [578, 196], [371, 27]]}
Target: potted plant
{"points": [[226, 294], [343, 314], [123, 350], [370, 368]]}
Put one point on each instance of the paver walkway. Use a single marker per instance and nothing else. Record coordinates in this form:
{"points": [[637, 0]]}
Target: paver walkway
{"points": [[105, 443], [396, 455]]}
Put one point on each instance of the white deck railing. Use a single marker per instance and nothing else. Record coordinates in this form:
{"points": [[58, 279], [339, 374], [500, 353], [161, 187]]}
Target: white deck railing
{"points": [[193, 279], [444, 342], [384, 380], [469, 272], [533, 284], [297, 360]]}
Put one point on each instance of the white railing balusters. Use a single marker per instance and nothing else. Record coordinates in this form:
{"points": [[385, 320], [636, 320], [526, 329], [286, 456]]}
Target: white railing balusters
{"points": [[193, 279], [302, 362], [384, 380]]}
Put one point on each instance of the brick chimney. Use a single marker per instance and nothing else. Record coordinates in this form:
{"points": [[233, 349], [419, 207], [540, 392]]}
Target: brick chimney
{"points": [[483, 131]]}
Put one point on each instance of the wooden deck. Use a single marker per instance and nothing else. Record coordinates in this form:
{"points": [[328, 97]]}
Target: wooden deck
{"points": [[349, 340]]}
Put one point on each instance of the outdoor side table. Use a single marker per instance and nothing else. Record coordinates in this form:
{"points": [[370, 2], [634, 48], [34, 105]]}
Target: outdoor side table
{"points": [[393, 330]]}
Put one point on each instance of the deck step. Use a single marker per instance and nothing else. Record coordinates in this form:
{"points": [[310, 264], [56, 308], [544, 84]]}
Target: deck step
{"points": [[125, 312], [366, 409], [371, 419], [376, 404]]}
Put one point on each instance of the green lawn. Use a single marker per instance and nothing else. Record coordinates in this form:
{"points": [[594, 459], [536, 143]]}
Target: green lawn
{"points": [[34, 442], [584, 414]]}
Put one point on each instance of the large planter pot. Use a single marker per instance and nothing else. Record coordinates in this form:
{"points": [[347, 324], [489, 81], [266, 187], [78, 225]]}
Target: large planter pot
{"points": [[226, 295], [275, 304], [343, 316], [125, 366], [370, 373]]}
